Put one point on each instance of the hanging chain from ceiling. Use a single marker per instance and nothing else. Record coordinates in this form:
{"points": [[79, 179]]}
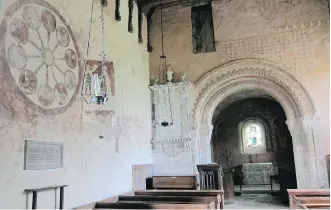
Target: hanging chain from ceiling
{"points": [[99, 97], [163, 71]]}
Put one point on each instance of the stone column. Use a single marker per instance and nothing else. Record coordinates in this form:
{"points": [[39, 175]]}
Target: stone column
{"points": [[299, 153], [205, 143], [195, 148], [309, 160], [316, 158]]}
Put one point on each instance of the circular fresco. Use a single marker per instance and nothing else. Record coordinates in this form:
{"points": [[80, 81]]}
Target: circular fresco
{"points": [[42, 54]]}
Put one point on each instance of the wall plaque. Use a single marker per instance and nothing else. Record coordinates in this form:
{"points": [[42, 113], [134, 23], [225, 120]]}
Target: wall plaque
{"points": [[39, 155]]}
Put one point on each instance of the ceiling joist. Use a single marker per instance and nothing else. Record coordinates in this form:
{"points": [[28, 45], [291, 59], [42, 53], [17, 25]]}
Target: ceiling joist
{"points": [[147, 4]]}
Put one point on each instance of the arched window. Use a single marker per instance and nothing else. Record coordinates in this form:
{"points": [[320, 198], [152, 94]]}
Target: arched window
{"points": [[253, 137]]}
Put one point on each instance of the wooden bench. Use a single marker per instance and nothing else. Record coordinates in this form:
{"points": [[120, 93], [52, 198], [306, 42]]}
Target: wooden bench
{"points": [[315, 206], [211, 200], [167, 199], [217, 196], [152, 205], [309, 198], [170, 199], [311, 202], [174, 182]]}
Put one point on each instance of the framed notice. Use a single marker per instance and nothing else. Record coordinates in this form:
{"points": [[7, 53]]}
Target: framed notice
{"points": [[41, 155]]}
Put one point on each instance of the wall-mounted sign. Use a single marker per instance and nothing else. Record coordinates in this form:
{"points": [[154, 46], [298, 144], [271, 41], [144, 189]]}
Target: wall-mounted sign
{"points": [[40, 155]]}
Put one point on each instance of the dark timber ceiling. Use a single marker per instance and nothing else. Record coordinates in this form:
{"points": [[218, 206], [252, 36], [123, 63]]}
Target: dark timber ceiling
{"points": [[149, 4]]}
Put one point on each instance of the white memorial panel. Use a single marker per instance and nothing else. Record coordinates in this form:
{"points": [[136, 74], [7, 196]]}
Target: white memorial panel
{"points": [[40, 155], [172, 145]]}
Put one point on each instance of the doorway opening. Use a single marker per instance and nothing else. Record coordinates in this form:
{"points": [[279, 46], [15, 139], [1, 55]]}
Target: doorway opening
{"points": [[251, 139]]}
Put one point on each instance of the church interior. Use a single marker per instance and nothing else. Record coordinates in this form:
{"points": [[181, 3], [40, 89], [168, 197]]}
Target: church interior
{"points": [[164, 104]]}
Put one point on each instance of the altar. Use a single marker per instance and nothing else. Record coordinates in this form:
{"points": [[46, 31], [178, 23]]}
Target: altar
{"points": [[257, 173]]}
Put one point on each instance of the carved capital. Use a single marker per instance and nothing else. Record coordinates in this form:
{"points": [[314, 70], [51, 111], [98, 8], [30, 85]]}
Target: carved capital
{"points": [[311, 122]]}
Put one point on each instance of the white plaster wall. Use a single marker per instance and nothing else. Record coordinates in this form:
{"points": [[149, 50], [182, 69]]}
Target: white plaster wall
{"points": [[292, 34], [94, 168]]}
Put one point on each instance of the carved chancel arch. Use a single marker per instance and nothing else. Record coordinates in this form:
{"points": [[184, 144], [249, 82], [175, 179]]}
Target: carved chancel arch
{"points": [[234, 77], [220, 80]]}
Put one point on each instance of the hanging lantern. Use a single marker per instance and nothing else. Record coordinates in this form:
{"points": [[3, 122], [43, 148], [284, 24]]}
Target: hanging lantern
{"points": [[167, 76], [95, 94]]}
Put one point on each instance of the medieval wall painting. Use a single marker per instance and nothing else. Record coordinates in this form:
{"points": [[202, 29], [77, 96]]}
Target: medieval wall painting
{"points": [[41, 54]]}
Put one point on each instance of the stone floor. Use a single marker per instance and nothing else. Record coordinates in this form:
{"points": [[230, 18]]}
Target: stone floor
{"points": [[256, 201], [256, 189]]}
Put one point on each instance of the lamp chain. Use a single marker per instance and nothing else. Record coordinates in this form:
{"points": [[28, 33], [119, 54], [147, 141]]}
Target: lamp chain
{"points": [[97, 92], [103, 55], [163, 58], [87, 53]]}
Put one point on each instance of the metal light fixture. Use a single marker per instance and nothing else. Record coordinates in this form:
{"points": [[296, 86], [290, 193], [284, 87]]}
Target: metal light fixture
{"points": [[163, 71], [99, 95]]}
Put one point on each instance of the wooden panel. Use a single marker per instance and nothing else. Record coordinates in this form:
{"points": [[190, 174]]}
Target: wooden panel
{"points": [[317, 205], [202, 29], [169, 199], [219, 194], [311, 200], [295, 196], [117, 10], [144, 205], [130, 25], [297, 201], [228, 186], [309, 192], [174, 182], [180, 192], [139, 175], [210, 176]]}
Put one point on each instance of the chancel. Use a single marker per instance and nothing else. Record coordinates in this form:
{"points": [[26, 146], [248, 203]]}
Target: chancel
{"points": [[164, 104]]}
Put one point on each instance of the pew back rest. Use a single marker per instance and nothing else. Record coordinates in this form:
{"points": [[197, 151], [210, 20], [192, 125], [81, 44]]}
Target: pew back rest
{"points": [[174, 182], [150, 198], [312, 199], [219, 194], [307, 196], [149, 205], [314, 206], [180, 192], [308, 192]]}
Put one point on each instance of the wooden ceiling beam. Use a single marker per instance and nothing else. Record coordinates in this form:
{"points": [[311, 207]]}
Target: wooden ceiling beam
{"points": [[170, 3]]}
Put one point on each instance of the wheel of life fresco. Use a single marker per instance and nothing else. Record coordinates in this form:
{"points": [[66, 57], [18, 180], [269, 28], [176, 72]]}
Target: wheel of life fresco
{"points": [[42, 54]]}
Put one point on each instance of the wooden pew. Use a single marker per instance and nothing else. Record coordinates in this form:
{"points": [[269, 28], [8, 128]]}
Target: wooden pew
{"points": [[308, 198], [311, 199], [216, 195], [211, 200], [173, 199], [315, 206], [168, 199], [311, 202], [174, 182], [152, 205]]}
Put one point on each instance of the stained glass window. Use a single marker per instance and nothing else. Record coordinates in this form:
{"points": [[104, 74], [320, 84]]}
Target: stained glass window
{"points": [[253, 137]]}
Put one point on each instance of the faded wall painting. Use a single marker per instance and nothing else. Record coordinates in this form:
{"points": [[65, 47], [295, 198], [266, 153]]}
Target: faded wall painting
{"points": [[40, 55]]}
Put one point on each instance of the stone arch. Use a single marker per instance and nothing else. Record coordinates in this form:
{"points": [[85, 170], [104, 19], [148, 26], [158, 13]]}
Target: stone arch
{"points": [[251, 75], [243, 118]]}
